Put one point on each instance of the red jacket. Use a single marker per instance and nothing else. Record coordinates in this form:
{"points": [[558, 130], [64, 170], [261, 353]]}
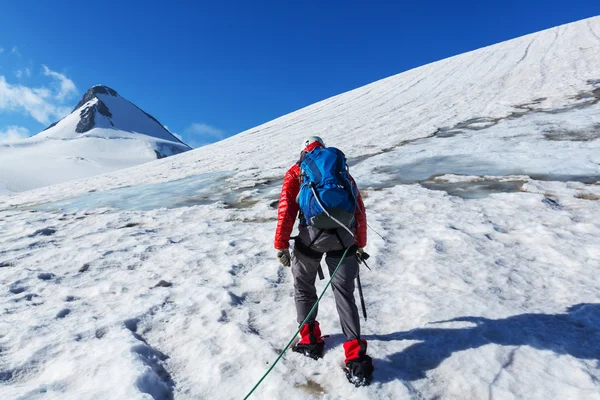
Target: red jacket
{"points": [[288, 211]]}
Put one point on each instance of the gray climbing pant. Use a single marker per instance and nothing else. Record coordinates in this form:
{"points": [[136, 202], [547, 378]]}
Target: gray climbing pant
{"points": [[305, 265]]}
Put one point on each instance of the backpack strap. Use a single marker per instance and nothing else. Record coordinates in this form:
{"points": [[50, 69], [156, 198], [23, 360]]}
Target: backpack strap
{"points": [[308, 161]]}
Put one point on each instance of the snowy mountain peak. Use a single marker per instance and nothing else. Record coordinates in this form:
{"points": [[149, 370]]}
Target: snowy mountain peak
{"points": [[104, 132], [101, 107], [93, 92]]}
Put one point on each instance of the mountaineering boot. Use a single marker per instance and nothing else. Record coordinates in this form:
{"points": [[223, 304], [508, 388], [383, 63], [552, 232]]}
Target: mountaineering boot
{"points": [[359, 366], [311, 344]]}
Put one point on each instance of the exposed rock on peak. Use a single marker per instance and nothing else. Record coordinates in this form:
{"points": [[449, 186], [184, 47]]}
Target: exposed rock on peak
{"points": [[93, 92]]}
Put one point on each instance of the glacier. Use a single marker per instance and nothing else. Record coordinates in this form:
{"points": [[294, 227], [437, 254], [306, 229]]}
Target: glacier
{"points": [[159, 281]]}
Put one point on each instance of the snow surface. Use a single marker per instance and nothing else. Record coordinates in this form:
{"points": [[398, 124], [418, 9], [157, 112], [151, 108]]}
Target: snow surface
{"points": [[160, 281]]}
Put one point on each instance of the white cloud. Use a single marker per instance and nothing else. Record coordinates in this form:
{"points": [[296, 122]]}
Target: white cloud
{"points": [[15, 51], [198, 134], [44, 104], [23, 72], [205, 130], [66, 86], [13, 133], [41, 103]]}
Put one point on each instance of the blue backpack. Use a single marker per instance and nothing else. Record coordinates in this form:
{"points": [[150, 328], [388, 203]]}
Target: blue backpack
{"points": [[327, 196]]}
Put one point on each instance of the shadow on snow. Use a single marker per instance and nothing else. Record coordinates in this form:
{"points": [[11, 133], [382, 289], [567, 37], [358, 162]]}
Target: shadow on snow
{"points": [[576, 333]]}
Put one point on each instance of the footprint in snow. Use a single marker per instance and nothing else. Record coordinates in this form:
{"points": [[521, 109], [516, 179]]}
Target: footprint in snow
{"points": [[84, 268], [43, 232], [553, 204], [163, 283], [63, 313], [46, 276], [27, 297], [130, 225], [17, 289], [131, 324]]}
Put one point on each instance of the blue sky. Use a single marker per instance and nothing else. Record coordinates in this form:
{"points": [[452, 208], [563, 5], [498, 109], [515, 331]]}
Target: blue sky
{"points": [[212, 69]]}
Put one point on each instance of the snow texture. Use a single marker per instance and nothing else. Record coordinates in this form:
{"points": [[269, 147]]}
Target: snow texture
{"points": [[480, 173]]}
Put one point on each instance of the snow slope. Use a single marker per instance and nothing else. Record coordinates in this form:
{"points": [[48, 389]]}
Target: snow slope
{"points": [[104, 133], [160, 282]]}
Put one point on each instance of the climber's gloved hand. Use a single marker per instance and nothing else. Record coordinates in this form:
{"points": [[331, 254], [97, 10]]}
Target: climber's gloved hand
{"points": [[284, 257], [362, 255]]}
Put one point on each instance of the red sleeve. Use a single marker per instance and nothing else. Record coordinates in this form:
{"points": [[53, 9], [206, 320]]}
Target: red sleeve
{"points": [[288, 208], [361, 221]]}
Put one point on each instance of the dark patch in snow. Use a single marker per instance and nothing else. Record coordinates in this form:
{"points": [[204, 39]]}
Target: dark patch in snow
{"points": [[311, 387], [17, 289], [84, 267], [132, 324], [474, 189], [553, 204], [100, 333], [6, 376], [69, 299], [235, 299], [246, 203], [583, 135], [63, 313], [499, 229], [474, 124], [163, 283], [590, 97], [6, 264], [224, 318], [35, 245], [46, 276], [130, 225], [43, 232], [235, 269], [587, 196]]}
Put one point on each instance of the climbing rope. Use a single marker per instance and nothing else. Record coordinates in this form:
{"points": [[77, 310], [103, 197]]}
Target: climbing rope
{"points": [[300, 327]]}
